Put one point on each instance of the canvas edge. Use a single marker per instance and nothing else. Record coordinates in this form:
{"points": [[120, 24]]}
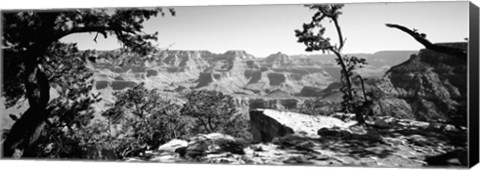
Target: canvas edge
{"points": [[473, 76], [473, 65]]}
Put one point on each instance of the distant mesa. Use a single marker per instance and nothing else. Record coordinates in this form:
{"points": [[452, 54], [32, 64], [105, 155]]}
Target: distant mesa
{"points": [[278, 60]]}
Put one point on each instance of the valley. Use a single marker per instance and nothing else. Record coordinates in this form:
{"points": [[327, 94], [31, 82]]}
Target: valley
{"points": [[278, 81]]}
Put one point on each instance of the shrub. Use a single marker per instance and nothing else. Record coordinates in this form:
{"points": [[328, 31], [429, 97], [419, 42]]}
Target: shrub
{"points": [[316, 106], [144, 120], [139, 120], [214, 111]]}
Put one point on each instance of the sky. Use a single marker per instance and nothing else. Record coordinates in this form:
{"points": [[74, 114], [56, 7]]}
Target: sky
{"points": [[265, 29]]}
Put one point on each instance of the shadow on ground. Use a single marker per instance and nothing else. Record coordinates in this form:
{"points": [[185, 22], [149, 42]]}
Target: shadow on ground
{"points": [[409, 146]]}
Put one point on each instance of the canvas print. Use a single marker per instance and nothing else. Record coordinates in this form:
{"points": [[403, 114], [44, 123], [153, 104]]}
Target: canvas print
{"points": [[360, 84]]}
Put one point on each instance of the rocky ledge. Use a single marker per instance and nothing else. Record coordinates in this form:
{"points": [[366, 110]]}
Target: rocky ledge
{"points": [[390, 142]]}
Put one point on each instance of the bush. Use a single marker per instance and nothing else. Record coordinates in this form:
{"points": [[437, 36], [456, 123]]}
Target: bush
{"points": [[238, 126], [215, 112], [144, 121], [316, 106], [139, 120]]}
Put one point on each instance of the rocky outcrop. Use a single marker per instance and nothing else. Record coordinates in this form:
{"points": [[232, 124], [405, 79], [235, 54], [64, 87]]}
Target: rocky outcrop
{"points": [[334, 133], [268, 124], [173, 145], [214, 143], [430, 86], [198, 147], [265, 128], [405, 143], [433, 84]]}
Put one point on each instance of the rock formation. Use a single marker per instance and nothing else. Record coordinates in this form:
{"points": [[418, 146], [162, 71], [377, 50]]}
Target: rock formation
{"points": [[428, 86], [265, 128], [433, 84], [267, 124]]}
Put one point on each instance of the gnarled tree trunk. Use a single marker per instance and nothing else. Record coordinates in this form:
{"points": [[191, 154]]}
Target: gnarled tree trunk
{"points": [[26, 130]]}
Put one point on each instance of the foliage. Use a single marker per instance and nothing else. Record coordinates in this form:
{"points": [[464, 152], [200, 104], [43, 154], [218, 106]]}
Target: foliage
{"points": [[72, 110], [139, 120], [214, 111], [312, 36], [238, 126], [317, 41], [28, 37], [12, 86], [23, 30], [144, 120], [316, 106]]}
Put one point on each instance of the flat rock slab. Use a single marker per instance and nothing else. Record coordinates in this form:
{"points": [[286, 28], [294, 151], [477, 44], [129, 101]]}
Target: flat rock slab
{"points": [[268, 124]]}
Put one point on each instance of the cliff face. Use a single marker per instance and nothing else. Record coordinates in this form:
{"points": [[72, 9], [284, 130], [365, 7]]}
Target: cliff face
{"points": [[232, 72], [427, 86], [433, 84], [272, 82]]}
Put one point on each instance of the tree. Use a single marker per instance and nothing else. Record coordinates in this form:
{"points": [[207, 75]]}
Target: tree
{"points": [[212, 110], [28, 37], [146, 120], [315, 41], [72, 110], [69, 75]]}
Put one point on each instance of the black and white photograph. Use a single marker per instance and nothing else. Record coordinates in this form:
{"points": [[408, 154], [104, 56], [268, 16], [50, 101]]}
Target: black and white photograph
{"points": [[382, 84]]}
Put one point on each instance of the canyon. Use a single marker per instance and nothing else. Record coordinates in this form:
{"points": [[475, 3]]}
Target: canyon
{"points": [[278, 81]]}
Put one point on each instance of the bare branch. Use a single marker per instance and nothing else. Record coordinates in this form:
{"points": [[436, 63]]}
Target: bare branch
{"points": [[422, 40]]}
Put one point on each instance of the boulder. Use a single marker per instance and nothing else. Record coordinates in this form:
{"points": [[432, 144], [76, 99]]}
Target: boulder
{"points": [[214, 143], [172, 145], [420, 140], [266, 124], [334, 133], [265, 128], [382, 123]]}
